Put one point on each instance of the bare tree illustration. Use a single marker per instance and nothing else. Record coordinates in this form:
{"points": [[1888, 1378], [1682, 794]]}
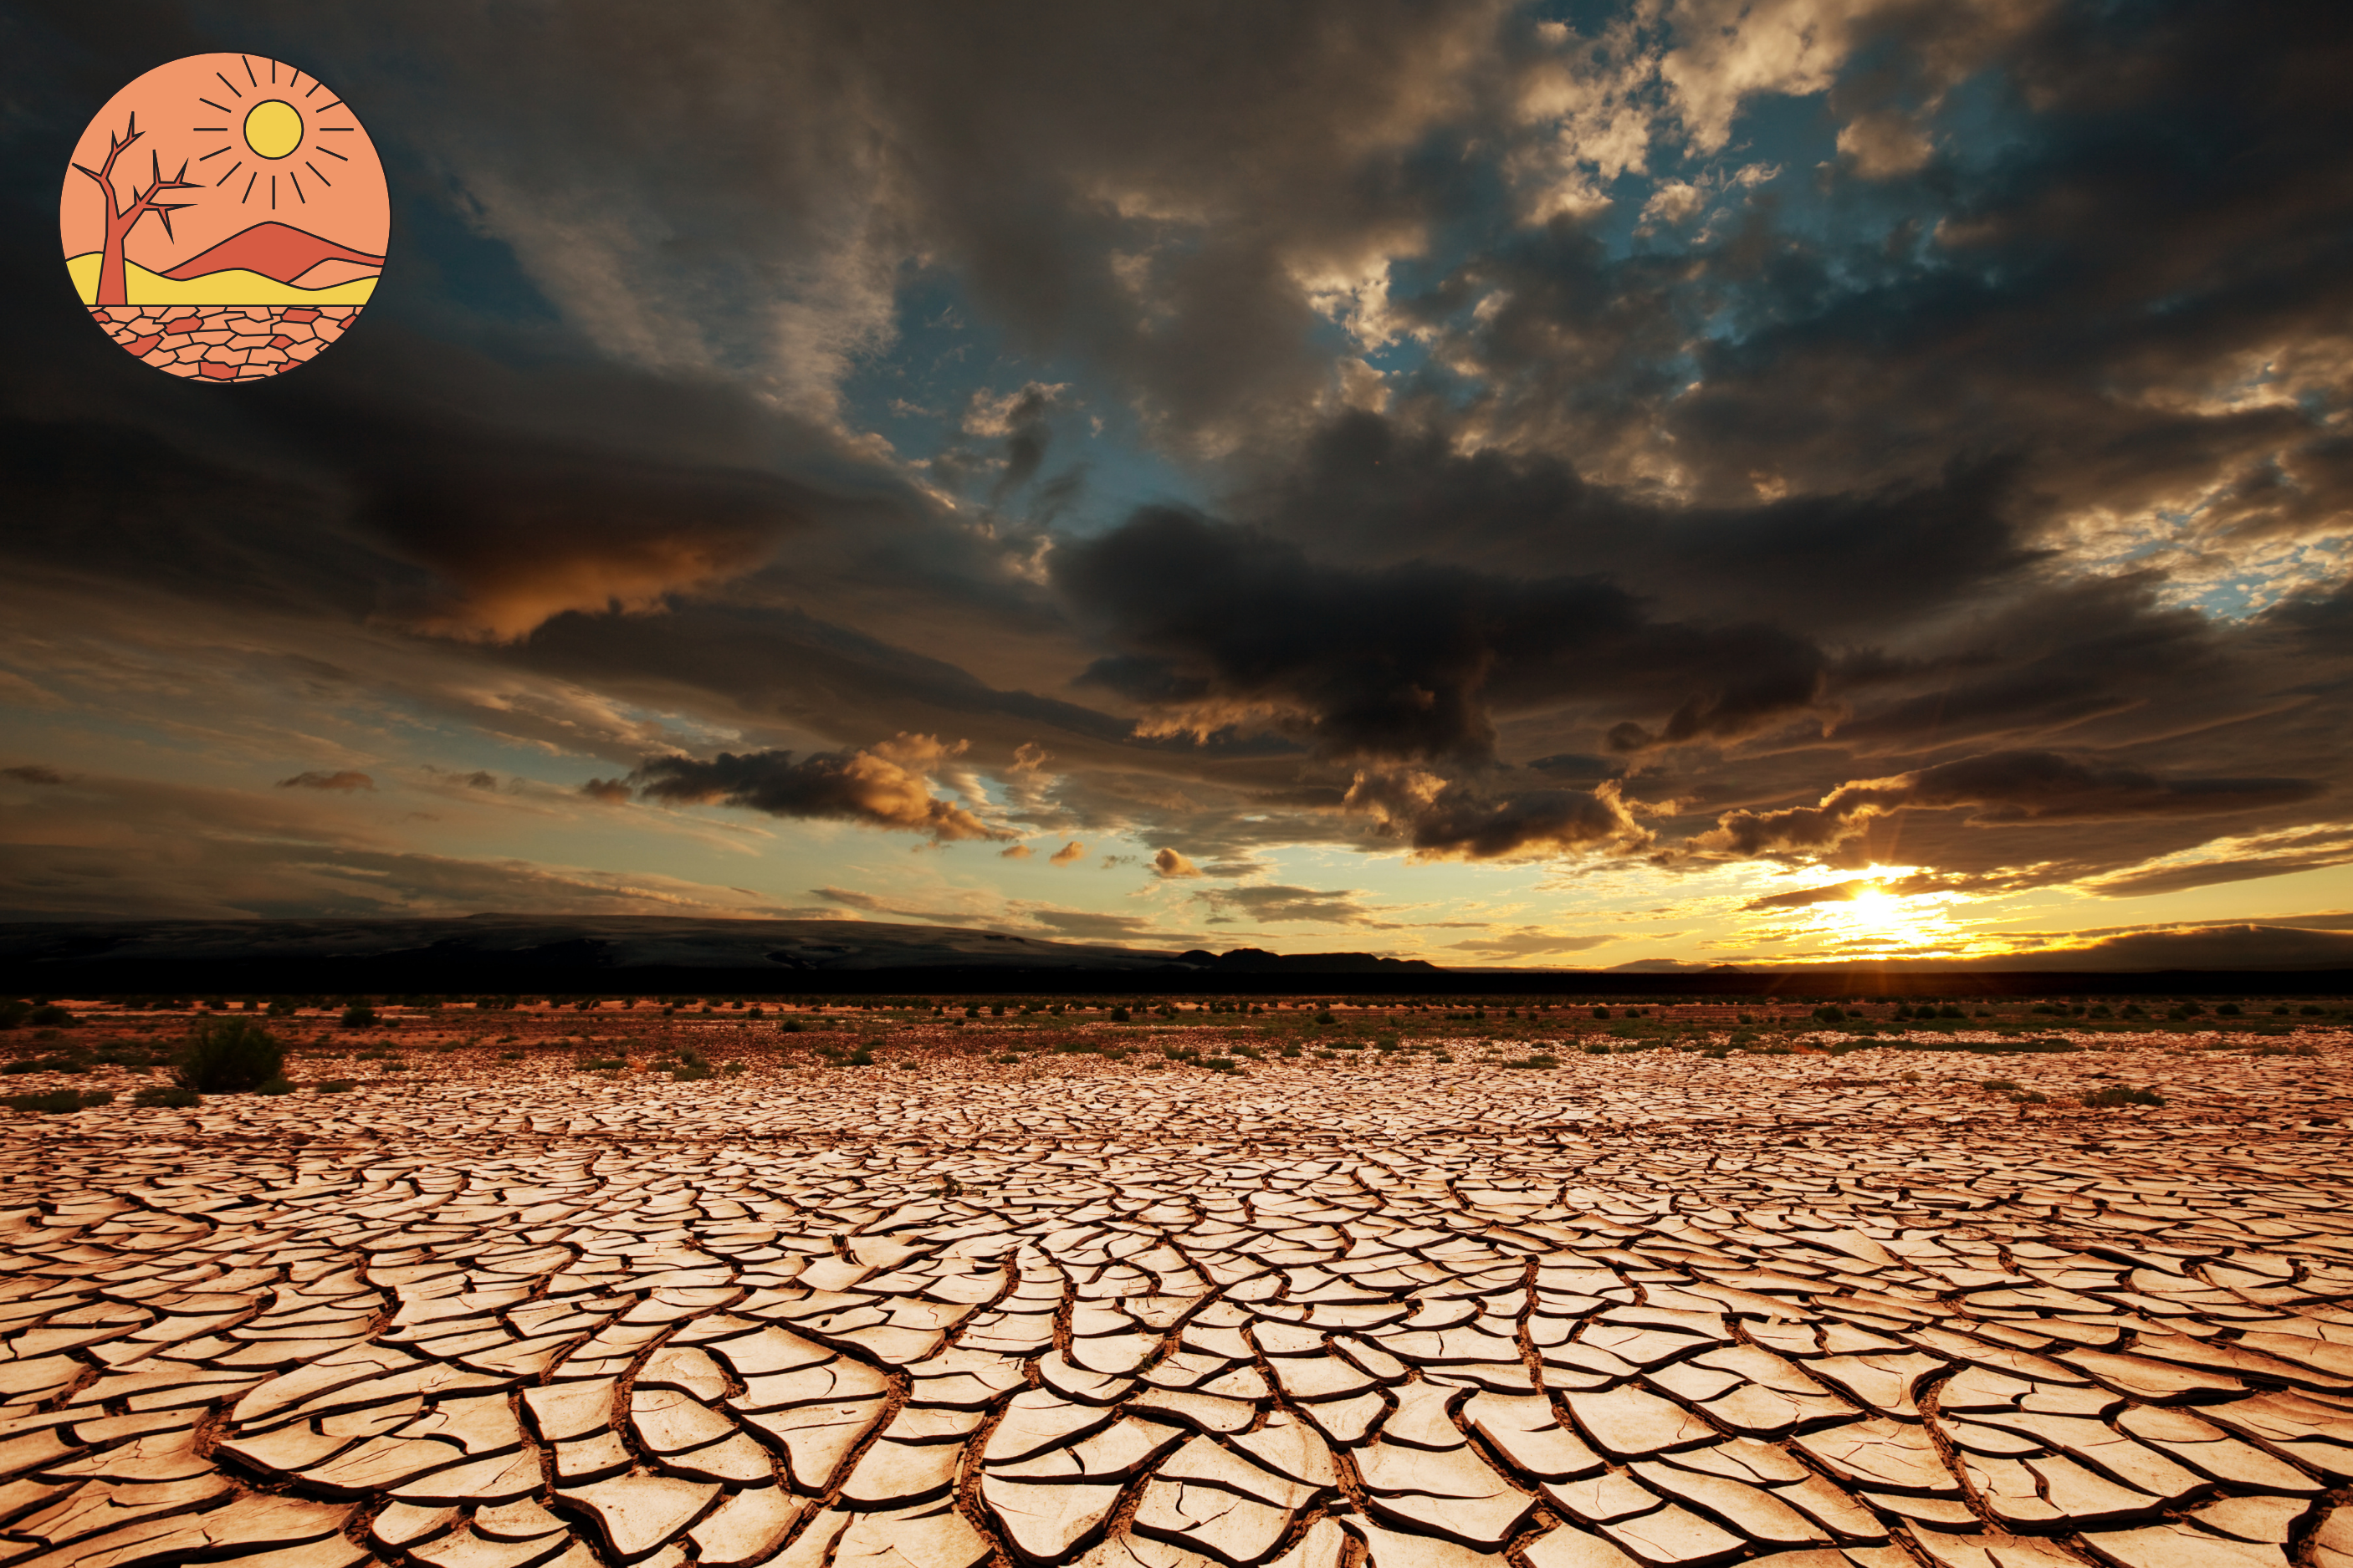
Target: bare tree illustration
{"points": [[120, 220]]}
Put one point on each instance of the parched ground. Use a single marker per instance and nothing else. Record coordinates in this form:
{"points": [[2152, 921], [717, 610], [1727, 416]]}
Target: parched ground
{"points": [[223, 343], [1660, 1309]]}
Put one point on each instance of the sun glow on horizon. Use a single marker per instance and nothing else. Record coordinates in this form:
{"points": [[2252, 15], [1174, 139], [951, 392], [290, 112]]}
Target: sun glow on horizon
{"points": [[1876, 920]]}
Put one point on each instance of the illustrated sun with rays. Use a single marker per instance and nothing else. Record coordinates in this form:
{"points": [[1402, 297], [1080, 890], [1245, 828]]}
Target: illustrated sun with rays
{"points": [[266, 196], [281, 133]]}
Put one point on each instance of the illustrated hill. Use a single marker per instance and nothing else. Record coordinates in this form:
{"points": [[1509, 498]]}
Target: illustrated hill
{"points": [[276, 250]]}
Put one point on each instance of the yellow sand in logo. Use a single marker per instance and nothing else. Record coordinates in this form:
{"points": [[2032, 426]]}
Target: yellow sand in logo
{"points": [[234, 287]]}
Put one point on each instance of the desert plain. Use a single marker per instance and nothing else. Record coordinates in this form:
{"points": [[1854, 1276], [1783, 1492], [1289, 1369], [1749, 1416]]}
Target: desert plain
{"points": [[1315, 1285]]}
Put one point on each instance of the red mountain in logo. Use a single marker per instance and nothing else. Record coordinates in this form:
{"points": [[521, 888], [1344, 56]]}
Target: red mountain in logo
{"points": [[275, 250]]}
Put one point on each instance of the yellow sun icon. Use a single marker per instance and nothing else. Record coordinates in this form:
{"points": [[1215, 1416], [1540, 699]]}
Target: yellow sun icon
{"points": [[273, 128]]}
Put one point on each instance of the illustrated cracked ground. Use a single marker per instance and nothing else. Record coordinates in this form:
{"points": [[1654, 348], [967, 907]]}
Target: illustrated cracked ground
{"points": [[1658, 1309]]}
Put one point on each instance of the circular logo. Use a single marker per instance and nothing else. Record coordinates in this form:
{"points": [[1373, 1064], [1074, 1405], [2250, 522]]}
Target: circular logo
{"points": [[225, 218]]}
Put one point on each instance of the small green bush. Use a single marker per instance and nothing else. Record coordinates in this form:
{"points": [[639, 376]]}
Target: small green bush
{"points": [[337, 1086], [167, 1095], [279, 1085], [1596, 1049], [1538, 1061], [359, 1015], [1119, 1014], [226, 1055]]}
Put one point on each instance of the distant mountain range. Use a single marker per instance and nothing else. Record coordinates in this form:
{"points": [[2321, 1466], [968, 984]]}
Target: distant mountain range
{"points": [[510, 951], [276, 250], [493, 953]]}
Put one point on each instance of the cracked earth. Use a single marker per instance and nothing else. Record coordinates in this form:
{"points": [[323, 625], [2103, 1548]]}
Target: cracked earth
{"points": [[1655, 1310]]}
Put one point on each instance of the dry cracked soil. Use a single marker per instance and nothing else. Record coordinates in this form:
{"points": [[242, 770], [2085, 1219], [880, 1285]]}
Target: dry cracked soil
{"points": [[495, 1310]]}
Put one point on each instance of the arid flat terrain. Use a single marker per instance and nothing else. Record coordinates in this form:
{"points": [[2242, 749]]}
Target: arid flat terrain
{"points": [[918, 1290]]}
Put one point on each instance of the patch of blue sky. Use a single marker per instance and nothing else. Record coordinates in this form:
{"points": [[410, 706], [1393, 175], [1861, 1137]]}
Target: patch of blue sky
{"points": [[944, 353]]}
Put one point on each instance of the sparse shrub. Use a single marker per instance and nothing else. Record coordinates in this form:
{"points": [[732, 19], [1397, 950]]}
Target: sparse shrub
{"points": [[2120, 1094], [1601, 1011], [1596, 1049], [1998, 1083], [337, 1086], [50, 1103], [278, 1085], [1536, 1061], [1324, 1016], [1118, 1014], [359, 1015], [603, 1064], [169, 1095], [225, 1055]]}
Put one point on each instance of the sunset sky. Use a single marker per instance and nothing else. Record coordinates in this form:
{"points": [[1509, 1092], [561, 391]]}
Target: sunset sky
{"points": [[1573, 484]]}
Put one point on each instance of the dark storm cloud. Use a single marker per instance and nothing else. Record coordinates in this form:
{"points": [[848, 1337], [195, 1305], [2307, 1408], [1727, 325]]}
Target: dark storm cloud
{"points": [[2003, 788], [1222, 626], [1440, 819], [884, 788], [2162, 226], [1396, 488]]}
